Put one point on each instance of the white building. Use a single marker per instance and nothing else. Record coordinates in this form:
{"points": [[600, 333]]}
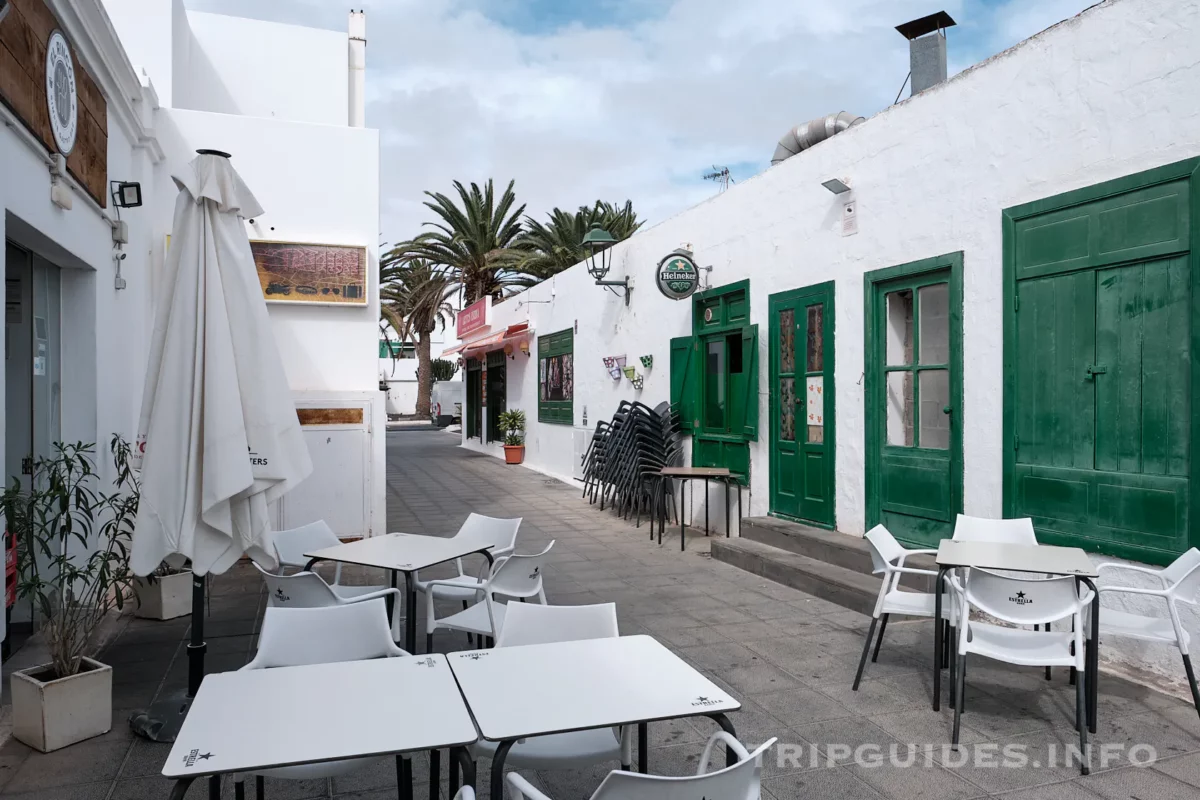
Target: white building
{"points": [[1008, 331], [153, 83]]}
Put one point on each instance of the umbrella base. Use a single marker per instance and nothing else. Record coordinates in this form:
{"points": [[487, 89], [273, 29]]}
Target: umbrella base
{"points": [[162, 721]]}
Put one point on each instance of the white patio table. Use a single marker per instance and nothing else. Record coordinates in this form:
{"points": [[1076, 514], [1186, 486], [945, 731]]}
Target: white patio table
{"points": [[1036, 559], [533, 690], [253, 720], [402, 552]]}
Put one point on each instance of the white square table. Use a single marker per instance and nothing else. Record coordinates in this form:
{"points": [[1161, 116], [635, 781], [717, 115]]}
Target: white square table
{"points": [[1036, 559], [252, 720], [402, 552], [534, 690]]}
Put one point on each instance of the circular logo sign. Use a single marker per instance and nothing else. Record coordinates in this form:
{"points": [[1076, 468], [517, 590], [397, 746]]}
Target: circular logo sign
{"points": [[677, 277], [60, 93]]}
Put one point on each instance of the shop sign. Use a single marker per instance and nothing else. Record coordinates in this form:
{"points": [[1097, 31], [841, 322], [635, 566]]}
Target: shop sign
{"points": [[677, 276], [61, 100], [473, 317]]}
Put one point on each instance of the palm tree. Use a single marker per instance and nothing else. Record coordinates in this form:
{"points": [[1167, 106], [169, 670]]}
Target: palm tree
{"points": [[546, 249], [413, 299], [472, 239]]}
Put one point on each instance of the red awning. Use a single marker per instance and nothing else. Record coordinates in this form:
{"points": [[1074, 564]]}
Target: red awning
{"points": [[452, 350], [497, 341]]}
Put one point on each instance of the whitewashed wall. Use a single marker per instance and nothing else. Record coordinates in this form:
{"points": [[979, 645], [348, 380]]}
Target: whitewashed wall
{"points": [[1103, 95]]}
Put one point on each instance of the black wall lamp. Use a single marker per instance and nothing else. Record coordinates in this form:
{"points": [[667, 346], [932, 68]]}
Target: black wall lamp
{"points": [[126, 194], [599, 243]]}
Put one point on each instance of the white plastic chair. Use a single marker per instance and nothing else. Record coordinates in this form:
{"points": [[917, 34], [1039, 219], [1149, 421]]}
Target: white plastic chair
{"points": [[501, 534], [1005, 531], [742, 781], [887, 559], [517, 576], [1022, 601], [293, 637], [292, 544], [309, 590], [529, 623], [1177, 583]]}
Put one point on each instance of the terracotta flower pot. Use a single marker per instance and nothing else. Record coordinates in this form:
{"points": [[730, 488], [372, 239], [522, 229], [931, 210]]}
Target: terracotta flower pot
{"points": [[514, 453]]}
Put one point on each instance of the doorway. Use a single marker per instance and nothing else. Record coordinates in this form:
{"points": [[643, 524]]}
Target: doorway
{"points": [[1099, 378], [497, 397], [802, 404], [913, 383], [474, 399]]}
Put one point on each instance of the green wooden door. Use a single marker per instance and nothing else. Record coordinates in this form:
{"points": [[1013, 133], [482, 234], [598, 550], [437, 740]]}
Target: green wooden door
{"points": [[802, 409], [914, 398], [474, 399]]}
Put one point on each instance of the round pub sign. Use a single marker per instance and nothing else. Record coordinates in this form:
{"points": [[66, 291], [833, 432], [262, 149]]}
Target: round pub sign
{"points": [[60, 93], [677, 276]]}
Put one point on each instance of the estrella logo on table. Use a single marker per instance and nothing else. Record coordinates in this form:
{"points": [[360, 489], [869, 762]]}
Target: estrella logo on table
{"points": [[195, 755], [474, 655], [705, 701]]}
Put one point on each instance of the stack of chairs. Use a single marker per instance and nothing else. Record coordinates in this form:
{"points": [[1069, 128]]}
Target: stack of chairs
{"points": [[623, 460]]}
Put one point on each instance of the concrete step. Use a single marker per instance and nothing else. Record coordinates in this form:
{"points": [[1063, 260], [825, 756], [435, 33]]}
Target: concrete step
{"points": [[830, 547], [846, 587]]}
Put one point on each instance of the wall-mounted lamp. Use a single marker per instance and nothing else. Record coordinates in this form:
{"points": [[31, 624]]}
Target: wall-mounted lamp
{"points": [[599, 243], [126, 194], [509, 351], [837, 186], [525, 347]]}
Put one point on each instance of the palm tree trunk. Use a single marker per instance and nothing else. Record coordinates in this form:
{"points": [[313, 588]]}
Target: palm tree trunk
{"points": [[424, 376]]}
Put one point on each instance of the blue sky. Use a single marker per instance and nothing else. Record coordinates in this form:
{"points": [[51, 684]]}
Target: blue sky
{"points": [[583, 99]]}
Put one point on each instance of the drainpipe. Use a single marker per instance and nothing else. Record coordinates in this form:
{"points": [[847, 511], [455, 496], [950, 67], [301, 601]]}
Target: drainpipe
{"points": [[358, 69]]}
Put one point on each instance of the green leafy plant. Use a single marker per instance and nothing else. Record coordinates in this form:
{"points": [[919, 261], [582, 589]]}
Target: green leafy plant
{"points": [[512, 424], [443, 370], [73, 545]]}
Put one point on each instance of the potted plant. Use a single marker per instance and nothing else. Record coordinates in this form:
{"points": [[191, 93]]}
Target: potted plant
{"points": [[512, 425], [73, 565], [166, 593]]}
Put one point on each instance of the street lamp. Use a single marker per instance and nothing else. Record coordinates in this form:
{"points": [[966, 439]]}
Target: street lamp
{"points": [[599, 243]]}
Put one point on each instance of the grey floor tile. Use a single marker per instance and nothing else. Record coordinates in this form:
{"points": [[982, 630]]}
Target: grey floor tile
{"points": [[1053, 791], [801, 706], [839, 739], [1182, 768], [836, 783], [907, 775], [1135, 783], [81, 763], [88, 791]]}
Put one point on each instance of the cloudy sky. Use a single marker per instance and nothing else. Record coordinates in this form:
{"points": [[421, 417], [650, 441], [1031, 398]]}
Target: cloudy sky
{"points": [[613, 99]]}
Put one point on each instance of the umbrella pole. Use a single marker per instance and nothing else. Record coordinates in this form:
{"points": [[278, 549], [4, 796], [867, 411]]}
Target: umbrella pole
{"points": [[197, 647], [162, 721]]}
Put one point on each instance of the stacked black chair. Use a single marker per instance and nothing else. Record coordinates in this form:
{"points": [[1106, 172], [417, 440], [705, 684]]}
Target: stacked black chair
{"points": [[625, 456]]}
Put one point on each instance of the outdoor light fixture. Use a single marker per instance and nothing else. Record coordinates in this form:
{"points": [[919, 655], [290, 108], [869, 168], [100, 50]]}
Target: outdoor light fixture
{"points": [[836, 186], [525, 347], [126, 194], [599, 243]]}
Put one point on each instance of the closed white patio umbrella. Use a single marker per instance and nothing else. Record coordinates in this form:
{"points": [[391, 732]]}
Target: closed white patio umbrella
{"points": [[220, 433]]}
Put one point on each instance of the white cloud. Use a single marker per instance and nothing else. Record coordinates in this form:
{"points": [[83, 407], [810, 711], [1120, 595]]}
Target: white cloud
{"points": [[636, 112]]}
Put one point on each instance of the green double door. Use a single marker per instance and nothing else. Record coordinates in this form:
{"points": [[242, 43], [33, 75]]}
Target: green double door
{"points": [[1099, 411], [913, 396], [802, 404]]}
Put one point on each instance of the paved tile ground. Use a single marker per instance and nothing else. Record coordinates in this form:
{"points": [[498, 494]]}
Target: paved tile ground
{"points": [[790, 657]]}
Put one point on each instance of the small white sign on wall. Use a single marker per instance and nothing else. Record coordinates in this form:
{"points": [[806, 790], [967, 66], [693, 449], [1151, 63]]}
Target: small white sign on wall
{"points": [[849, 218], [815, 407]]}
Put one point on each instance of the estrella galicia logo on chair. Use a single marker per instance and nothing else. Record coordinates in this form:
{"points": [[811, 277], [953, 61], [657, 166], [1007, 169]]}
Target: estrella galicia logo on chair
{"points": [[705, 701], [280, 596], [536, 571], [1020, 599], [195, 755]]}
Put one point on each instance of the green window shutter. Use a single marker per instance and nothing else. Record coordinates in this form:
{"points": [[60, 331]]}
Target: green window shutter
{"points": [[561, 347], [684, 374], [749, 382]]}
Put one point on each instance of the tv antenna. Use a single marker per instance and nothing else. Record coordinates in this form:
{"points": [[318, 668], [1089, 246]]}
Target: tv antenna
{"points": [[720, 175]]}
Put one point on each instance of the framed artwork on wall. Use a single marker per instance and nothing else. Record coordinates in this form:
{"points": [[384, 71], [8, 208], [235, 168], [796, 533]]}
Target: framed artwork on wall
{"points": [[316, 274]]}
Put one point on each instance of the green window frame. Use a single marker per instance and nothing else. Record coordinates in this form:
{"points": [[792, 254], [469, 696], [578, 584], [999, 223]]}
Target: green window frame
{"points": [[556, 378]]}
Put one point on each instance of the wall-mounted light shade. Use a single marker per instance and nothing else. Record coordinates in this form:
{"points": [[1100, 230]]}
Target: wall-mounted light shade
{"points": [[598, 241], [127, 194], [836, 186]]}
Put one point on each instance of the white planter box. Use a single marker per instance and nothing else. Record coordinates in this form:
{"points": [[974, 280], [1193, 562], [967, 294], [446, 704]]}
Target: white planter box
{"points": [[170, 596], [57, 713]]}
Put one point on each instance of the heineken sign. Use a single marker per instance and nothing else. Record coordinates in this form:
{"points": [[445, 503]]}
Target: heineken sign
{"points": [[677, 276]]}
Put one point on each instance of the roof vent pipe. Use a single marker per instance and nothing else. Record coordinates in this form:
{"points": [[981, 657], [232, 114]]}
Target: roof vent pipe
{"points": [[926, 49], [358, 69], [805, 136]]}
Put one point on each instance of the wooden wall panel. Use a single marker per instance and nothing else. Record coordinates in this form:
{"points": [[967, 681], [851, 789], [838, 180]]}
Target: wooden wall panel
{"points": [[24, 33], [330, 416]]}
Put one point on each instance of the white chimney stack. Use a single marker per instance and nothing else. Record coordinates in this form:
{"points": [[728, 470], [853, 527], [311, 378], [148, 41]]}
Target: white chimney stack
{"points": [[358, 69]]}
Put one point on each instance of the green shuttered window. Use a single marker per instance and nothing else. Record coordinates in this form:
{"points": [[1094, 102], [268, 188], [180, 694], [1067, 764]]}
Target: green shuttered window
{"points": [[556, 378]]}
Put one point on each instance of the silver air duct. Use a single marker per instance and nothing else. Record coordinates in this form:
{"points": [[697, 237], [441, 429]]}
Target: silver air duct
{"points": [[805, 136]]}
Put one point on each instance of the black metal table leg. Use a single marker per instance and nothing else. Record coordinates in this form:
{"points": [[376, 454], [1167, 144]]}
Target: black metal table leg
{"points": [[937, 639], [410, 613], [726, 482], [706, 506], [727, 726], [682, 495], [644, 748], [435, 774], [461, 758], [497, 788], [180, 788], [390, 600], [404, 788], [1093, 659], [214, 787]]}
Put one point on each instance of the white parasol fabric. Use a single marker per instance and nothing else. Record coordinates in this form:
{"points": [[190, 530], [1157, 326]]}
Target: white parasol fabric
{"points": [[218, 434]]}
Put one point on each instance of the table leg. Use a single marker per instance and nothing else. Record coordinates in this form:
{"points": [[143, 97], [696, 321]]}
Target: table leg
{"points": [[404, 789], [727, 726], [390, 600], [682, 495], [739, 491], [410, 613], [435, 774], [239, 789], [1093, 659], [706, 506], [726, 482], [214, 787], [937, 640], [644, 748], [180, 788], [498, 768], [460, 757]]}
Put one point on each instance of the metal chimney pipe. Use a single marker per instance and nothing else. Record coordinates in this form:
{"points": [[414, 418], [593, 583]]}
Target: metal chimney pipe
{"points": [[926, 49], [358, 69]]}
